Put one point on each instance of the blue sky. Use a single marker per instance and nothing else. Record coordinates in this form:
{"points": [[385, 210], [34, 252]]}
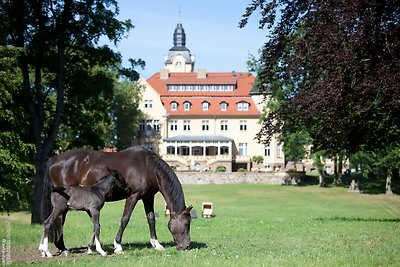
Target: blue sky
{"points": [[211, 27]]}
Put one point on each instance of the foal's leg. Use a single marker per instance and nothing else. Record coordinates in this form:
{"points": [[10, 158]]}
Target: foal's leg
{"points": [[91, 243], [130, 204], [96, 231], [151, 220]]}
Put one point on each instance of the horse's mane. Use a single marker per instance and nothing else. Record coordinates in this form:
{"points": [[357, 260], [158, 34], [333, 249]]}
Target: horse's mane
{"points": [[169, 182]]}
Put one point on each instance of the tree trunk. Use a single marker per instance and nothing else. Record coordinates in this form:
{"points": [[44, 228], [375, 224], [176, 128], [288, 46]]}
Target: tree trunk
{"points": [[388, 188], [320, 177], [337, 175]]}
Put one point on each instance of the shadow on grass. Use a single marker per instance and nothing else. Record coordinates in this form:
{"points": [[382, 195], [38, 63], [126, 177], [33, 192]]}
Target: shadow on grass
{"points": [[357, 219], [109, 248]]}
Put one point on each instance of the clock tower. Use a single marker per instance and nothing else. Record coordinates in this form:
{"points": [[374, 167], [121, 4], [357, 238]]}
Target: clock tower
{"points": [[179, 58]]}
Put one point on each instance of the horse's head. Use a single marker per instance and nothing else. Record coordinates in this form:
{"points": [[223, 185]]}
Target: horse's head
{"points": [[179, 226]]}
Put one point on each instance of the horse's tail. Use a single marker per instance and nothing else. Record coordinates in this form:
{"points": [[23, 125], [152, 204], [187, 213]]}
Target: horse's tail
{"points": [[47, 207]]}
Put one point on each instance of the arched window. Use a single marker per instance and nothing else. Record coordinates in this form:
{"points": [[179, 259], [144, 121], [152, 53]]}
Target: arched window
{"points": [[205, 105], [224, 106], [174, 105], [178, 65], [187, 105], [242, 106]]}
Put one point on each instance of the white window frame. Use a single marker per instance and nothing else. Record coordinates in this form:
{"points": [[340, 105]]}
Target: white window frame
{"points": [[243, 125], [243, 106], [173, 125], [186, 105], [224, 106], [205, 125], [224, 125], [242, 149], [205, 105], [186, 125]]}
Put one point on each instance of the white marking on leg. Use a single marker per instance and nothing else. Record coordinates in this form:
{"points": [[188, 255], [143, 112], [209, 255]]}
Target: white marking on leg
{"points": [[117, 248], [98, 247], [45, 248], [156, 244], [89, 251]]}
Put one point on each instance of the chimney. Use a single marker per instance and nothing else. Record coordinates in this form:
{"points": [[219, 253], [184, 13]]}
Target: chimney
{"points": [[201, 74], [164, 74]]}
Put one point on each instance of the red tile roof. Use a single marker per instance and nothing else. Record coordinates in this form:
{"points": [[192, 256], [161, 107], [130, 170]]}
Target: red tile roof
{"points": [[243, 82]]}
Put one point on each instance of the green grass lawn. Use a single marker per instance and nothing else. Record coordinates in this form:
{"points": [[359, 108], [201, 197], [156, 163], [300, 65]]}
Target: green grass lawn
{"points": [[254, 225]]}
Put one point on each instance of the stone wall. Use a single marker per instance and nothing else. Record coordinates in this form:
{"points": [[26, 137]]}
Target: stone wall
{"points": [[232, 177]]}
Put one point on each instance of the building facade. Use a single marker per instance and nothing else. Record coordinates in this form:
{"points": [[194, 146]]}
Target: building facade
{"points": [[199, 120]]}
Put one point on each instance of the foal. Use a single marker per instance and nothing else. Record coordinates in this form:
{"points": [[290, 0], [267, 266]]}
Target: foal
{"points": [[90, 199]]}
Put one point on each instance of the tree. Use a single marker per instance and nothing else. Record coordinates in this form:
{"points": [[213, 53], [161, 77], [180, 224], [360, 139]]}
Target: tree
{"points": [[126, 112], [54, 37], [15, 153], [336, 66]]}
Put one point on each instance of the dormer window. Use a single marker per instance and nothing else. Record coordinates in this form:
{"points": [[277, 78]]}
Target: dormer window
{"points": [[178, 65], [174, 106], [224, 106], [205, 105], [187, 105], [242, 106]]}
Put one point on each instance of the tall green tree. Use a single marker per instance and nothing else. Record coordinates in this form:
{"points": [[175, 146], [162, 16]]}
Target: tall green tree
{"points": [[53, 38], [336, 63], [15, 153], [126, 113]]}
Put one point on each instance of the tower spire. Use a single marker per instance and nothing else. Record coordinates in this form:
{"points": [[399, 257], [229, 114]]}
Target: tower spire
{"points": [[179, 58]]}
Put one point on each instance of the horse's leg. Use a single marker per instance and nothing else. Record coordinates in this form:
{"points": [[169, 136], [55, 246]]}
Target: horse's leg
{"points": [[59, 243], [44, 242], [151, 220], [96, 231], [130, 204]]}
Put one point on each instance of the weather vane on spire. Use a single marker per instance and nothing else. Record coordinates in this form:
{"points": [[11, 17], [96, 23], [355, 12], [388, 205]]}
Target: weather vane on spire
{"points": [[179, 13]]}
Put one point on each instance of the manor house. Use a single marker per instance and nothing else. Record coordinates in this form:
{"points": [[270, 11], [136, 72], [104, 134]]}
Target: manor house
{"points": [[199, 120]]}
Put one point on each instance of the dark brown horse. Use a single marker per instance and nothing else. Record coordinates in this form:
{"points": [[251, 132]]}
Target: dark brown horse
{"points": [[144, 172]]}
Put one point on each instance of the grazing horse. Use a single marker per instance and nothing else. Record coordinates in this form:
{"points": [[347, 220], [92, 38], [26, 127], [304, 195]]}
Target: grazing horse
{"points": [[144, 172], [90, 199]]}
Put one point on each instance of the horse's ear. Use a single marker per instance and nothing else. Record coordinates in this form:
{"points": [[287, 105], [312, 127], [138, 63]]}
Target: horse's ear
{"points": [[187, 210]]}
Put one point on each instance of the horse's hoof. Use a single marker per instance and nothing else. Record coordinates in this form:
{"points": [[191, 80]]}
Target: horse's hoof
{"points": [[103, 253], [156, 245], [118, 248], [119, 251], [159, 248], [66, 253]]}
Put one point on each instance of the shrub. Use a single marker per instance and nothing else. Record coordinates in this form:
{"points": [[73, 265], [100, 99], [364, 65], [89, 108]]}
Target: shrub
{"points": [[220, 169]]}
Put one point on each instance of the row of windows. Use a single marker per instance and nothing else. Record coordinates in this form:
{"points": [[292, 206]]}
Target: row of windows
{"points": [[243, 151], [149, 125], [241, 106], [205, 125], [201, 87], [154, 125], [187, 105]]}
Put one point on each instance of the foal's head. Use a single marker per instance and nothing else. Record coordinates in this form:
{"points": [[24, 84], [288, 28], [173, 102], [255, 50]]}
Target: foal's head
{"points": [[179, 226], [118, 183]]}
